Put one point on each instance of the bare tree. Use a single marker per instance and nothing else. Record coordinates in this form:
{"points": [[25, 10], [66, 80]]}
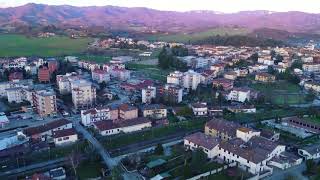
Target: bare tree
{"points": [[74, 159]]}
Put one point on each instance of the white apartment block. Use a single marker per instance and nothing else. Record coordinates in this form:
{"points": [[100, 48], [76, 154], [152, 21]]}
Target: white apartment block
{"points": [[311, 67], [175, 77], [239, 94], [88, 117], [12, 84], [148, 94], [83, 94], [15, 95], [100, 76], [64, 82], [191, 80]]}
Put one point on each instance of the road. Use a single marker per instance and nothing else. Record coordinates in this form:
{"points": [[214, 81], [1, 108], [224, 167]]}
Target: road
{"points": [[104, 154], [39, 166]]}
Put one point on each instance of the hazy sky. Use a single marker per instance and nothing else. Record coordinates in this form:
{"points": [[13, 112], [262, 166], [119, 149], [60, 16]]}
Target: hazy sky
{"points": [[186, 5]]}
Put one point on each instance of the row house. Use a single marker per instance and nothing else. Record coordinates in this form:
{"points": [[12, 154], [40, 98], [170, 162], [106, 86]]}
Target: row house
{"points": [[107, 128]]}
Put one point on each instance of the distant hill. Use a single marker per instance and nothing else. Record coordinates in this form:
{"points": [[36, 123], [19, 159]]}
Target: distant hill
{"points": [[144, 19]]}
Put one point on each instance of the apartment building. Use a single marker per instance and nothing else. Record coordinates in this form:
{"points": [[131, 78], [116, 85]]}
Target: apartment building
{"points": [[311, 67], [154, 111], [191, 80], [147, 94], [83, 94], [175, 77], [88, 117], [171, 93], [100, 76], [127, 111], [239, 94], [44, 74], [64, 82], [44, 102]]}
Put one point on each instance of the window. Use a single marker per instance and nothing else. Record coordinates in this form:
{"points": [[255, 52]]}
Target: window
{"points": [[66, 138], [59, 139]]}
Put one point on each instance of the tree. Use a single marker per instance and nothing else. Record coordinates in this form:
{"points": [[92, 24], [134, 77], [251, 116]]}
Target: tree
{"points": [[199, 159], [311, 166], [103, 85], [159, 149], [116, 173]]}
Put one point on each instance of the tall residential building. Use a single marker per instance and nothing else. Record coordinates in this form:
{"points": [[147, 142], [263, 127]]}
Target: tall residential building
{"points": [[191, 80], [44, 102], [148, 94], [171, 93], [44, 74], [83, 94], [64, 82], [175, 77]]}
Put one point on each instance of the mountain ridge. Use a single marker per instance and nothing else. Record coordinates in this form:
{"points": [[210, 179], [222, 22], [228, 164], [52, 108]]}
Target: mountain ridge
{"points": [[144, 19]]}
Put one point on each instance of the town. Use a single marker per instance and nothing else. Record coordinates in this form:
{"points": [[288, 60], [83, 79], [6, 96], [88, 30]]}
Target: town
{"points": [[218, 111], [159, 90]]}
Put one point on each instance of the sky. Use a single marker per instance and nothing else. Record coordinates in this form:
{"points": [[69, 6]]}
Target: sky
{"points": [[227, 6]]}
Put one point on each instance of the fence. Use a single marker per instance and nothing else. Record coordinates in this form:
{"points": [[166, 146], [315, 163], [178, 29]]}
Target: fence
{"points": [[213, 171]]}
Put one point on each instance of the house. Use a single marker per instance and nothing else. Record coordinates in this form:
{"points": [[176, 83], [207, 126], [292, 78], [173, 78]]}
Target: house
{"points": [[199, 140], [65, 136], [121, 74], [95, 114], [199, 109], [230, 75], [154, 111], [15, 76], [312, 86], [215, 111], [285, 160], [221, 128], [311, 67], [270, 135], [3, 120], [106, 128], [127, 111], [252, 155], [265, 77], [239, 94], [207, 76], [226, 84], [219, 67], [310, 152], [46, 130]]}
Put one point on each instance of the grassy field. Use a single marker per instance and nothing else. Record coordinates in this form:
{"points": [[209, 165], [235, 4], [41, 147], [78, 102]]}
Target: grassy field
{"points": [[94, 58], [19, 45], [149, 71], [198, 35], [281, 92]]}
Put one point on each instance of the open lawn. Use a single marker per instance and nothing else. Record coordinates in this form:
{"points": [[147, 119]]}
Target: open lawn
{"points": [[89, 169], [281, 92], [19, 45], [94, 58], [149, 71], [198, 35]]}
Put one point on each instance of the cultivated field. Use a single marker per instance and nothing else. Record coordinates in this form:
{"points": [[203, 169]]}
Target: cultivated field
{"points": [[184, 38], [19, 45]]}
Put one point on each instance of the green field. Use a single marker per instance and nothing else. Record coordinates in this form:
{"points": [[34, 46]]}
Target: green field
{"points": [[94, 58], [149, 71], [198, 35], [281, 92], [19, 45]]}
